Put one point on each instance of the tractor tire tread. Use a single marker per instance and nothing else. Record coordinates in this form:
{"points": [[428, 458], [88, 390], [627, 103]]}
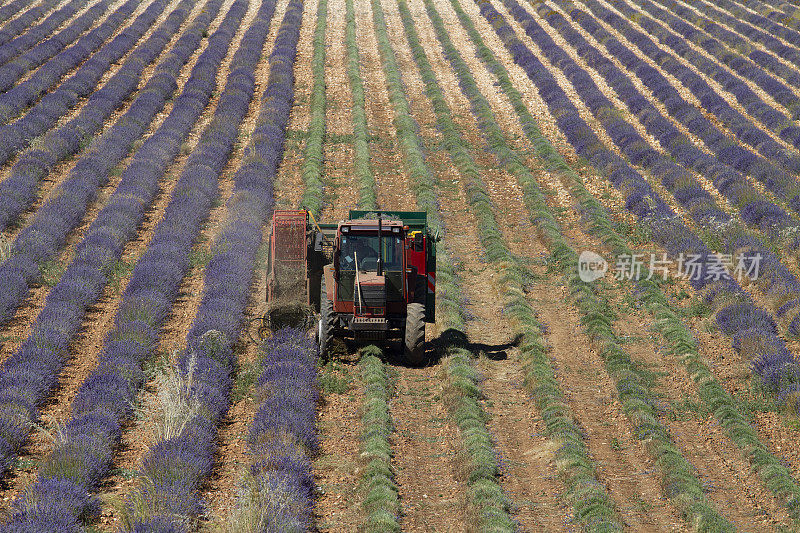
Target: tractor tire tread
{"points": [[414, 345]]}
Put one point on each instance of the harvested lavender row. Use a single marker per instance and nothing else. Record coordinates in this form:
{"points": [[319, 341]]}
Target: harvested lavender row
{"points": [[12, 71], [737, 315], [174, 467], [42, 30], [104, 400], [734, 158], [21, 23], [742, 127], [83, 81], [743, 67], [18, 190], [43, 354], [278, 488]]}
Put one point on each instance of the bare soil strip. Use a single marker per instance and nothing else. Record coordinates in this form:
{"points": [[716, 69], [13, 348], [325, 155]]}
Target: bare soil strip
{"points": [[290, 178], [392, 187], [337, 468], [341, 189]]}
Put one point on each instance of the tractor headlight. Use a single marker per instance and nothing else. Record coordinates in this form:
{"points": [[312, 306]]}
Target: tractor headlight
{"points": [[345, 229]]}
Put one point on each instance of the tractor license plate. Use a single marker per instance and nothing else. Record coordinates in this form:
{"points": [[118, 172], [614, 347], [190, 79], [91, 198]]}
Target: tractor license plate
{"points": [[361, 323]]}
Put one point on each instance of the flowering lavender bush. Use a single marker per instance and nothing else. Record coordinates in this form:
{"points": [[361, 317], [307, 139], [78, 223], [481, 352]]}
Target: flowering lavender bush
{"points": [[228, 277], [41, 240], [11, 71], [744, 67], [770, 117], [277, 491], [104, 400], [13, 8], [84, 80], [10, 30], [35, 34]]}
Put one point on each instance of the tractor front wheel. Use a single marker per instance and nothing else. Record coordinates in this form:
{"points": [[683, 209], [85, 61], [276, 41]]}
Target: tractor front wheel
{"points": [[326, 320], [415, 334]]}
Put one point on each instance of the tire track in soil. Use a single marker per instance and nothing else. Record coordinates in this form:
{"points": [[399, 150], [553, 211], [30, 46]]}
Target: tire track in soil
{"points": [[138, 434], [428, 447], [623, 465], [426, 451], [337, 467], [99, 319]]}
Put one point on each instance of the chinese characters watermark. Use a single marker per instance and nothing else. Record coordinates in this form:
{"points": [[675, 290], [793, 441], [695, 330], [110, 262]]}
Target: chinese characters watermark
{"points": [[692, 267]]}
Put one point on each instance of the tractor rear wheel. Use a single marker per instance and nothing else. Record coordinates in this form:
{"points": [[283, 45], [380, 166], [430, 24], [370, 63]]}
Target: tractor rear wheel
{"points": [[415, 334], [326, 321]]}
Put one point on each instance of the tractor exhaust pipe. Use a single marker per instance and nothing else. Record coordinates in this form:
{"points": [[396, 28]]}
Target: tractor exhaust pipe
{"points": [[380, 245]]}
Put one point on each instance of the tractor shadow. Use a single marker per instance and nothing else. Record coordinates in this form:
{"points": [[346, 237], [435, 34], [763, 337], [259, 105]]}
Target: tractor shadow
{"points": [[451, 338]]}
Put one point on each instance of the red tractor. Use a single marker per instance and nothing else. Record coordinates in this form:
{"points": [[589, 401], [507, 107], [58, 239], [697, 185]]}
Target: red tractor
{"points": [[370, 278]]}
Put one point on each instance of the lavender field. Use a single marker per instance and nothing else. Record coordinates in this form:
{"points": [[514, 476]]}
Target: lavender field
{"points": [[615, 185]]}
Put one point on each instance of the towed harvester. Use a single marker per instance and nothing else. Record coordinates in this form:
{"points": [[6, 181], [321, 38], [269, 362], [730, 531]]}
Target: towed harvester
{"points": [[369, 278]]}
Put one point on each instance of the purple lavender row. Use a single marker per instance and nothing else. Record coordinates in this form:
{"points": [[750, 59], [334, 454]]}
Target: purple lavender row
{"points": [[753, 208], [33, 35], [688, 115], [12, 71], [19, 24], [283, 436], [770, 117], [8, 11], [735, 41], [42, 356], [737, 315], [83, 81], [104, 400], [175, 467], [776, 280], [787, 34], [752, 32], [743, 67], [19, 190], [734, 159]]}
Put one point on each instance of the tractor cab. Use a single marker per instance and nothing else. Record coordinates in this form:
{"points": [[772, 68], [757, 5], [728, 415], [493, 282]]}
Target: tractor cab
{"points": [[371, 277]]}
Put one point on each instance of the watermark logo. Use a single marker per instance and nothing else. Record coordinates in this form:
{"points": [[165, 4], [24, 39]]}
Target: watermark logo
{"points": [[591, 266], [692, 267]]}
